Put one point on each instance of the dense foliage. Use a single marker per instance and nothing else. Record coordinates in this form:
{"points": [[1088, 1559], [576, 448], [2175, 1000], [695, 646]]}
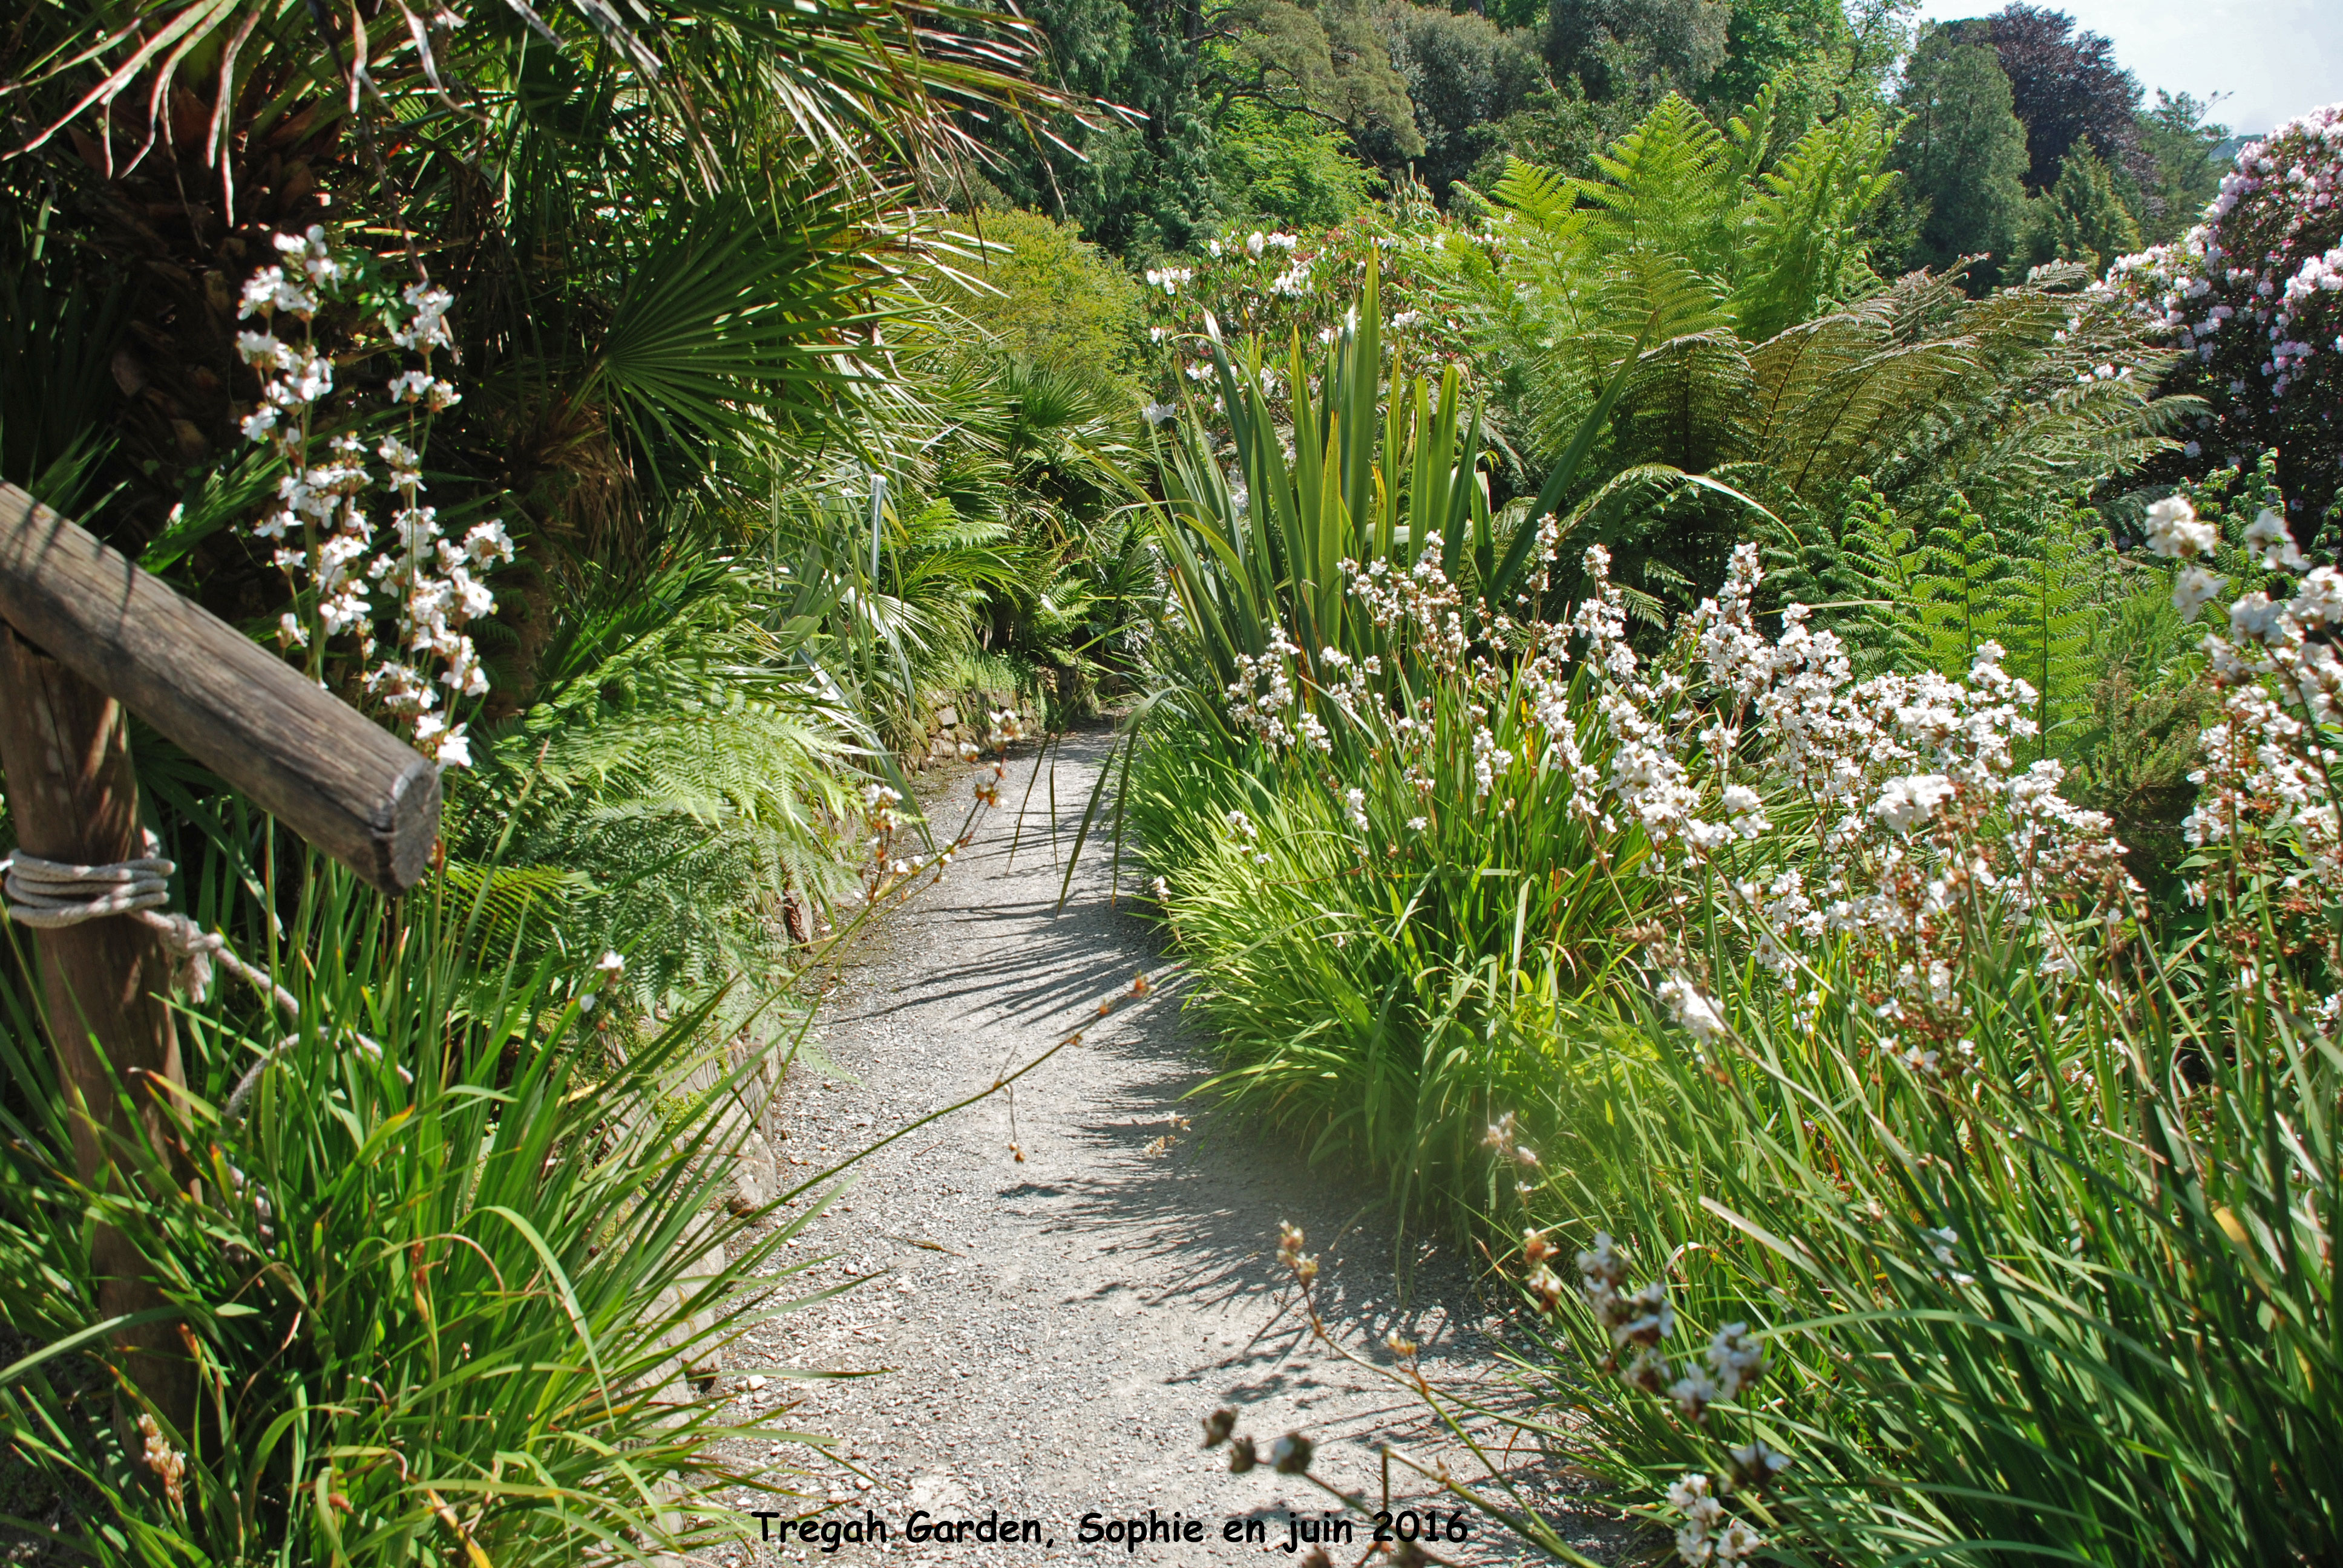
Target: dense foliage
{"points": [[1846, 995], [1650, 553]]}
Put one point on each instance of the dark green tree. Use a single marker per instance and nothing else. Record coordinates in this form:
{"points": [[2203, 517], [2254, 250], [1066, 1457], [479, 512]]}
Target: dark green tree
{"points": [[1963, 154], [2182, 145], [1465, 74], [1767, 37], [2081, 218], [1640, 49], [2066, 87], [1329, 60], [1139, 178]]}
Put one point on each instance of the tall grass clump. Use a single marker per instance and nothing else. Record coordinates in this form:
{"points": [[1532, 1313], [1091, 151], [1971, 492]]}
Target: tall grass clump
{"points": [[1359, 783], [1380, 960], [440, 1249], [1942, 1203]]}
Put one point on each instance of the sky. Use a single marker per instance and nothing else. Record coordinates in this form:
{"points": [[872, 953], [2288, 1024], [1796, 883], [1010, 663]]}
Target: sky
{"points": [[2275, 57]]}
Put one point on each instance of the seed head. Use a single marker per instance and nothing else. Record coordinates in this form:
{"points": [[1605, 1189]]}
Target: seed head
{"points": [[1218, 1425], [1291, 1454], [1242, 1457]]}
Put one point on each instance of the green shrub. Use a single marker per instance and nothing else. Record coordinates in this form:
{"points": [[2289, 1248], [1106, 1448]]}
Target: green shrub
{"points": [[1286, 171], [1060, 303], [1363, 791]]}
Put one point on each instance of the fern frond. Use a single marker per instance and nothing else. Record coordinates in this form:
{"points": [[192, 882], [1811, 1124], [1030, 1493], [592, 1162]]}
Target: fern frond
{"points": [[1666, 187], [1541, 198]]}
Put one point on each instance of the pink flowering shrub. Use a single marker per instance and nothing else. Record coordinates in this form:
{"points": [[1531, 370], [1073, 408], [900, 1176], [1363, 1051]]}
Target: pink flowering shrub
{"points": [[2253, 300]]}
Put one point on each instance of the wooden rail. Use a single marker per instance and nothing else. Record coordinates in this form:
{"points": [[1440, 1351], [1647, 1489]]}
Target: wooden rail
{"points": [[341, 781]]}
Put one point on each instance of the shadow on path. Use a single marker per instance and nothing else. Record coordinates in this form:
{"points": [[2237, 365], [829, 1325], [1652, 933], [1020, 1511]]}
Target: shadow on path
{"points": [[1065, 1279]]}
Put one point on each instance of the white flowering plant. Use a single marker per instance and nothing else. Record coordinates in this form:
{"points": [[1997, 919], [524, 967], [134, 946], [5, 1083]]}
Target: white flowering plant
{"points": [[2022, 1191], [382, 590], [1382, 905], [1277, 286], [1954, 1194], [1401, 736]]}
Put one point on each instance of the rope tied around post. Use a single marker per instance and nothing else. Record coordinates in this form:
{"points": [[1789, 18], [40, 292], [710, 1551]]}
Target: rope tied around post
{"points": [[49, 895]]}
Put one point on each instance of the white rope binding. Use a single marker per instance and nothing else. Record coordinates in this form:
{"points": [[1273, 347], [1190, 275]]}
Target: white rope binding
{"points": [[49, 895]]}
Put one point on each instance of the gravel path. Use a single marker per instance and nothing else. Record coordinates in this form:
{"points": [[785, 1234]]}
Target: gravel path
{"points": [[1051, 1332]]}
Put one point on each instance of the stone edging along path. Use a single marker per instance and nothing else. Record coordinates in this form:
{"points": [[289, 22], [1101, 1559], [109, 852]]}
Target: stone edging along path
{"points": [[1049, 1333]]}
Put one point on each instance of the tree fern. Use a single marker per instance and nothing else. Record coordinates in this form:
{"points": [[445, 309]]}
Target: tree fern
{"points": [[1804, 241], [1770, 343], [1667, 185], [1540, 197]]}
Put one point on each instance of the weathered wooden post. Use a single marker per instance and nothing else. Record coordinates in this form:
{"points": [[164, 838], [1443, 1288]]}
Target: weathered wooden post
{"points": [[89, 637], [65, 755]]}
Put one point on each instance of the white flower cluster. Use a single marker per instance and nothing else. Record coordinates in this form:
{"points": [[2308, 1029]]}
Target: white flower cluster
{"points": [[1736, 1362], [1708, 1533], [1691, 1010], [324, 540], [880, 806], [2264, 783], [1641, 1318], [1169, 278], [1919, 808], [1247, 838], [1419, 603], [2176, 533], [1261, 697]]}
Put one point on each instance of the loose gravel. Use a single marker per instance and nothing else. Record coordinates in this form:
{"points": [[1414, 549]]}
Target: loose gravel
{"points": [[1045, 1335]]}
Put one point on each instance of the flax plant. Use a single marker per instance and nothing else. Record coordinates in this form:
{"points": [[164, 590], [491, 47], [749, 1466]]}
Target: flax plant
{"points": [[451, 1245], [1381, 945], [1943, 1206], [1360, 782]]}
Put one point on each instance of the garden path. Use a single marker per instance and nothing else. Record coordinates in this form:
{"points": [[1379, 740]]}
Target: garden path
{"points": [[1052, 1331]]}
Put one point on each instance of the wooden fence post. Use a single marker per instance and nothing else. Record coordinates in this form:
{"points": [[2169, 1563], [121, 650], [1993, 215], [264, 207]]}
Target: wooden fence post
{"points": [[64, 750], [83, 633]]}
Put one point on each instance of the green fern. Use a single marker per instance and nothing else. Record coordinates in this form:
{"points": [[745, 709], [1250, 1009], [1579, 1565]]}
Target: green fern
{"points": [[1803, 240], [2055, 614], [1772, 355], [1854, 574], [1540, 197], [1962, 592]]}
